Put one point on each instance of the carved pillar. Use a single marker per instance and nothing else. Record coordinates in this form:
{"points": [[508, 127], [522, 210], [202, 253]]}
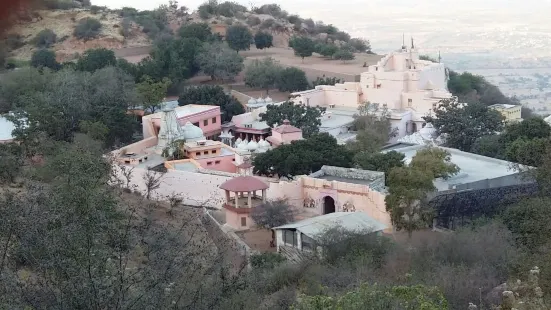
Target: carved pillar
{"points": [[236, 199], [263, 195], [228, 196], [249, 196]]}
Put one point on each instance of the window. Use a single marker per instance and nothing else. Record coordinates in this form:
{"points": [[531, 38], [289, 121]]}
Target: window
{"points": [[196, 124], [205, 122], [209, 163], [233, 159], [198, 153], [307, 242], [216, 162], [290, 237], [127, 161], [243, 221], [213, 151], [205, 152], [409, 102], [213, 120]]}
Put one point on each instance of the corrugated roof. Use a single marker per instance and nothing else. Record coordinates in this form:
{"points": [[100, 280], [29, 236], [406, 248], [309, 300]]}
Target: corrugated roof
{"points": [[355, 221]]}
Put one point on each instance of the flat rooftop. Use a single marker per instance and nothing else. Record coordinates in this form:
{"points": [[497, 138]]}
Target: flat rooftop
{"points": [[185, 166], [6, 129], [373, 179], [191, 109], [472, 167]]}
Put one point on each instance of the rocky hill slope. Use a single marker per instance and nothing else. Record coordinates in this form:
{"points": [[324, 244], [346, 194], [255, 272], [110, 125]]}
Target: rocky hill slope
{"points": [[128, 27]]}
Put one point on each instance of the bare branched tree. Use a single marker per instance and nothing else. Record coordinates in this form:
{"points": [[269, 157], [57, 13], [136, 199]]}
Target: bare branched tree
{"points": [[152, 180]]}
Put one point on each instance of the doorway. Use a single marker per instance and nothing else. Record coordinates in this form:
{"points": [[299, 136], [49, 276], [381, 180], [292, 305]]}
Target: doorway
{"points": [[328, 205]]}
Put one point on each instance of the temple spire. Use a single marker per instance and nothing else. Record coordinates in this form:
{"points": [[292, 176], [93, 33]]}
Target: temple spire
{"points": [[404, 41], [412, 46], [439, 57]]}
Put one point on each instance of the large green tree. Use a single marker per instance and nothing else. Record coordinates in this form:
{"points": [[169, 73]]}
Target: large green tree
{"points": [[262, 73], [95, 59], [263, 40], [174, 58], [372, 122], [200, 31], [292, 79], [152, 93], [408, 188], [303, 157], [219, 62], [212, 95], [462, 124], [239, 37], [304, 117], [383, 162], [303, 46]]}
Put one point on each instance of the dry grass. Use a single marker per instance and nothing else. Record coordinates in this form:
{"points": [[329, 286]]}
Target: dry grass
{"points": [[63, 23]]}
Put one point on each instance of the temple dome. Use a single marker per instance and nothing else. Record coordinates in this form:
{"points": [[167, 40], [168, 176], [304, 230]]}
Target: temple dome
{"points": [[251, 146], [238, 141], [428, 132], [243, 145], [263, 144], [192, 132], [268, 100], [252, 101], [260, 100]]}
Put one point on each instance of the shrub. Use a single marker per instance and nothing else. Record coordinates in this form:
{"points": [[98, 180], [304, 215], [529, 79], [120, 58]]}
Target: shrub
{"points": [[87, 28], [14, 41], [206, 10], [128, 12], [230, 9], [266, 260], [267, 24], [44, 58], [125, 29], [253, 21], [45, 38], [94, 9], [293, 19]]}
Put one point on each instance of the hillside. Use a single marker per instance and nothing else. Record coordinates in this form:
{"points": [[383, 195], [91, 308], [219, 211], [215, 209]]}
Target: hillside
{"points": [[131, 28]]}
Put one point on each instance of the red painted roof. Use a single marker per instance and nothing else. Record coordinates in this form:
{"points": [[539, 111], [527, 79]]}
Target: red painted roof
{"points": [[244, 183]]}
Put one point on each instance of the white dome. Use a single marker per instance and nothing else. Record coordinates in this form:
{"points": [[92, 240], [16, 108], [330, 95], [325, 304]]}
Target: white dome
{"points": [[268, 100], [252, 101], [260, 100], [263, 144], [238, 141], [428, 132], [242, 145], [252, 146], [192, 132]]}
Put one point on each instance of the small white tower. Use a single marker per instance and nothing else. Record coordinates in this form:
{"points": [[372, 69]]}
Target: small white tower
{"points": [[170, 130]]}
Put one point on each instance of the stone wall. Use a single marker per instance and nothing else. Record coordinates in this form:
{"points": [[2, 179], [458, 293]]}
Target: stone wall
{"points": [[376, 178]]}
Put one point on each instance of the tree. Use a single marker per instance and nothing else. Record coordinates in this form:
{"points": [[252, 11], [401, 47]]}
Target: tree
{"points": [[344, 55], [302, 157], [239, 37], [44, 58], [299, 115], [463, 124], [95, 59], [209, 94], [262, 73], [408, 188], [529, 222], [491, 146], [303, 46], [173, 58], [45, 39], [373, 126], [11, 163], [527, 152], [326, 49], [200, 31], [360, 45], [87, 29], [263, 40], [272, 214], [292, 79], [220, 62], [530, 128], [326, 81], [152, 93], [382, 162], [152, 181]]}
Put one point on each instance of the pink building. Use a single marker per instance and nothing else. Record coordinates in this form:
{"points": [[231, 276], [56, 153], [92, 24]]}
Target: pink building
{"points": [[206, 117], [284, 134], [210, 154]]}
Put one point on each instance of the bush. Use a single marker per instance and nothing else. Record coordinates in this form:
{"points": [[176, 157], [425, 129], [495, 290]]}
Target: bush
{"points": [[14, 41], [253, 21], [45, 38], [95, 9], [128, 12], [87, 28], [44, 58], [230, 9], [206, 10], [126, 28], [60, 4], [266, 260], [267, 24]]}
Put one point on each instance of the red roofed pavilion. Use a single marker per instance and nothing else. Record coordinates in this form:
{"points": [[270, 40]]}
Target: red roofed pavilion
{"points": [[241, 198]]}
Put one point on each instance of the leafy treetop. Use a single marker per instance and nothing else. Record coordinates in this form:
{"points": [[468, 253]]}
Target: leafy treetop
{"points": [[239, 37], [213, 95], [299, 115]]}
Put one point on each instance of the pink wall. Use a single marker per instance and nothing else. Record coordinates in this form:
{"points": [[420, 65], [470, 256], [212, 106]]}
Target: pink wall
{"points": [[138, 147], [225, 164], [208, 116]]}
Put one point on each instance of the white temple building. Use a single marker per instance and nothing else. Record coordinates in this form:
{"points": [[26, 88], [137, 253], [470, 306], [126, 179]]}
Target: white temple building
{"points": [[408, 86]]}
